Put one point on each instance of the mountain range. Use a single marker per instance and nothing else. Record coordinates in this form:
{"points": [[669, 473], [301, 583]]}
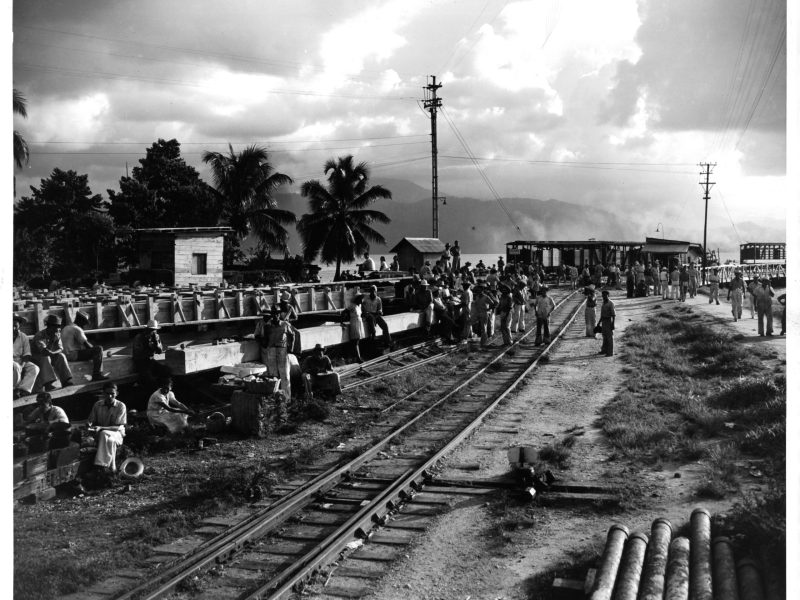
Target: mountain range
{"points": [[485, 226]]}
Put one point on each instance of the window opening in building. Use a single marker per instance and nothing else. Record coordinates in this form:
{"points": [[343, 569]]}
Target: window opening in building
{"points": [[199, 264]]}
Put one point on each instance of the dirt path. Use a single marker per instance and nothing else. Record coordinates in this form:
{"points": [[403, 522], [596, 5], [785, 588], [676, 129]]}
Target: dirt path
{"points": [[466, 554]]}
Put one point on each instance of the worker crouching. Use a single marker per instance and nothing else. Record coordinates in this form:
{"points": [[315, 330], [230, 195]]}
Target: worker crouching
{"points": [[318, 375]]}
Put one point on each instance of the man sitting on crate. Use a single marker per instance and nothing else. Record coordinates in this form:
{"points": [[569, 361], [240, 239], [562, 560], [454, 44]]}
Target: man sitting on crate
{"points": [[48, 354], [318, 374], [276, 338], [146, 345], [107, 421], [78, 347], [51, 417], [25, 370]]}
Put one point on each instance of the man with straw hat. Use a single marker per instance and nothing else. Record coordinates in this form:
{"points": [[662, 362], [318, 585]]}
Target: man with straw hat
{"points": [[48, 354], [146, 345]]}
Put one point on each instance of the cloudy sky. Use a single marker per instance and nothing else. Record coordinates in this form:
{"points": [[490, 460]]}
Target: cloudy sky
{"points": [[611, 104]]}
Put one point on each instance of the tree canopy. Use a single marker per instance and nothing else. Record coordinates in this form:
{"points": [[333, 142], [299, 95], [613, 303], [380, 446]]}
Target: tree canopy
{"points": [[62, 230], [21, 151], [244, 183], [163, 191], [339, 226]]}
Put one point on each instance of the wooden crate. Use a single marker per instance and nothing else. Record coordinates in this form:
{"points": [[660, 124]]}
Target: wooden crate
{"points": [[63, 474], [36, 465]]}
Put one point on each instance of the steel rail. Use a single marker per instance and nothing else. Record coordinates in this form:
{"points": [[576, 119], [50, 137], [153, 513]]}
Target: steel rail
{"points": [[257, 525], [401, 489]]}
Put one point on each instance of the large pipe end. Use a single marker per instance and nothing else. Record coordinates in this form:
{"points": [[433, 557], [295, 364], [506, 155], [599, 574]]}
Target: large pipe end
{"points": [[661, 521], [701, 511], [619, 527]]}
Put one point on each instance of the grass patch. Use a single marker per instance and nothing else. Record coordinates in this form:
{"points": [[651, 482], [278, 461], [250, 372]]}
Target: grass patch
{"points": [[558, 452], [693, 393]]}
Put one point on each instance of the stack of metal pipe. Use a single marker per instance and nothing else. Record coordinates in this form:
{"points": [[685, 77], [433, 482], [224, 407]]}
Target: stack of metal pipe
{"points": [[660, 567]]}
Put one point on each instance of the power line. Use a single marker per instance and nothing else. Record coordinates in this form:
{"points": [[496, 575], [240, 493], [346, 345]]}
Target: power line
{"points": [[483, 175], [258, 142], [272, 151], [574, 165], [115, 76]]}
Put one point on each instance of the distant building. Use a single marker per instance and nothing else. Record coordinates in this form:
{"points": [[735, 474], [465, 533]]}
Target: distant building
{"points": [[669, 252], [590, 252], [191, 254], [413, 252], [762, 252]]}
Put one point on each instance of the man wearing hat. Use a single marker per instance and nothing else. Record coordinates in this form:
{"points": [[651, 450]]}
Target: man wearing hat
{"points": [[276, 338], [520, 298], [146, 345], [48, 354], [713, 286], [763, 295], [736, 295], [25, 370], [372, 313], [318, 374], [608, 315], [45, 412], [78, 347], [424, 302], [589, 312], [505, 305], [482, 310], [545, 305]]}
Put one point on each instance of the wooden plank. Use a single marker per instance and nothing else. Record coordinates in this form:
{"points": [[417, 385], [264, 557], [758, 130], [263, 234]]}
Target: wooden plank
{"points": [[82, 388]]}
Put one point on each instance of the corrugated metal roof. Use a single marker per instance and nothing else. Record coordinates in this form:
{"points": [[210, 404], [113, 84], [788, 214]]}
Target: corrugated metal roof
{"points": [[424, 245]]}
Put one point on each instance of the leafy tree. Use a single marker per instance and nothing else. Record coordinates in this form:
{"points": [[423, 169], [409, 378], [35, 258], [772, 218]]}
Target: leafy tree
{"points": [[245, 183], [163, 192], [21, 152], [62, 230], [339, 226]]}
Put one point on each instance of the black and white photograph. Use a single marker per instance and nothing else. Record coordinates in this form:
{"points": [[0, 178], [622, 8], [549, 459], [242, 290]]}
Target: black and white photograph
{"points": [[402, 299]]}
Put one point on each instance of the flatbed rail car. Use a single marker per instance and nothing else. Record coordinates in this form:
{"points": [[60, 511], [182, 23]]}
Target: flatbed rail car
{"points": [[755, 253], [118, 311], [774, 270], [550, 254]]}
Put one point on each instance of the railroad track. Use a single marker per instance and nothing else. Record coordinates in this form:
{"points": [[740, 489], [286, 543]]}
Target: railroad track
{"points": [[272, 552]]}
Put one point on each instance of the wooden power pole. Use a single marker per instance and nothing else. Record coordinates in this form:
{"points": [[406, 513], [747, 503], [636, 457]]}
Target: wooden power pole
{"points": [[432, 103], [706, 187]]}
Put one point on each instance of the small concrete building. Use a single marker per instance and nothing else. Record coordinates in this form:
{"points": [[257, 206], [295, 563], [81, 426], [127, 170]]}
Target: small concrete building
{"points": [[193, 254], [413, 252]]}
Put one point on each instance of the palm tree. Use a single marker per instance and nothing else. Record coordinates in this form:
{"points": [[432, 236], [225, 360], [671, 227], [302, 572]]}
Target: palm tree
{"points": [[339, 224], [244, 183], [21, 152]]}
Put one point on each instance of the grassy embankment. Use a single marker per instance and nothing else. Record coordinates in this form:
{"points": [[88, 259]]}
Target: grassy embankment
{"points": [[695, 394]]}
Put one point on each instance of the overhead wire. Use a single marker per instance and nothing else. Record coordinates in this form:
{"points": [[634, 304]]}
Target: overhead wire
{"points": [[482, 174], [66, 72]]}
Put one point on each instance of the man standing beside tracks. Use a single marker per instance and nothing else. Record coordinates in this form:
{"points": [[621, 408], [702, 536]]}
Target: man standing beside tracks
{"points": [[608, 315], [544, 307], [276, 337], [763, 295], [482, 307], [78, 347], [736, 295], [713, 286], [372, 311]]}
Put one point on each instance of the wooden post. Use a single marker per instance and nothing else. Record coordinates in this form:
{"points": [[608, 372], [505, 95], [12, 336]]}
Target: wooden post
{"points": [[239, 304], [69, 313], [38, 316], [198, 306], [151, 310], [98, 314], [344, 296], [312, 299]]}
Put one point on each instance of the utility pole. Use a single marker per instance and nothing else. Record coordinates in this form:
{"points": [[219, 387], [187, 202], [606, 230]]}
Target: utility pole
{"points": [[431, 102], [706, 186]]}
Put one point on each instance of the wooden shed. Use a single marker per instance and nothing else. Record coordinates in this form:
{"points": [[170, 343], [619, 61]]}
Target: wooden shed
{"points": [[193, 254], [413, 252]]}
